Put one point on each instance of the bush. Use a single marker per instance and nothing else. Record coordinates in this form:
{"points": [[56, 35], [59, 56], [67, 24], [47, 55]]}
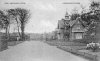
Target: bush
{"points": [[27, 37], [3, 42], [93, 46], [12, 38]]}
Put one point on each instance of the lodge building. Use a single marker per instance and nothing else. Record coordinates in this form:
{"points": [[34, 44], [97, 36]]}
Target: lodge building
{"points": [[75, 28]]}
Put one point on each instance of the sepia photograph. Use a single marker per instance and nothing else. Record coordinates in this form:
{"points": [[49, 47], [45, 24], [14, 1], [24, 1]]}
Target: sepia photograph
{"points": [[49, 30]]}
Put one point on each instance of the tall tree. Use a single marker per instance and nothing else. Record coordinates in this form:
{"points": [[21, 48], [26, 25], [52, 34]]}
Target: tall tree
{"points": [[15, 16], [92, 19], [74, 14], [4, 18], [1, 22], [23, 18], [6, 23], [95, 7]]}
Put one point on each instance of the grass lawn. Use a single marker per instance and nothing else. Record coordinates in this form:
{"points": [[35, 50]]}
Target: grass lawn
{"points": [[76, 46], [64, 43], [67, 44]]}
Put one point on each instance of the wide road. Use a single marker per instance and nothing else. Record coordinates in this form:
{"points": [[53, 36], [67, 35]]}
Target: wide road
{"points": [[37, 51]]}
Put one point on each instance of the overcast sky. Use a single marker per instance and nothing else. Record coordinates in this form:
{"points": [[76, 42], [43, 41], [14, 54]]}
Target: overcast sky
{"points": [[44, 13]]}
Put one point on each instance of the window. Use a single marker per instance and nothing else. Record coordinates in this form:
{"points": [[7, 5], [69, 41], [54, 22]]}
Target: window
{"points": [[78, 35]]}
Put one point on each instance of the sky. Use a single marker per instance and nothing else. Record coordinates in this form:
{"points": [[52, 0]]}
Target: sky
{"points": [[44, 13]]}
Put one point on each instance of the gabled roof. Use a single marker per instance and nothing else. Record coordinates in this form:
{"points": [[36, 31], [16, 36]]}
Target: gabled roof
{"points": [[71, 23]]}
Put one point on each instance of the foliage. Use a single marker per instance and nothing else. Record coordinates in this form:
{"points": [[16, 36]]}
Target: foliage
{"points": [[92, 19], [1, 22], [14, 15], [74, 16], [94, 5], [93, 46], [27, 37], [4, 21], [21, 16]]}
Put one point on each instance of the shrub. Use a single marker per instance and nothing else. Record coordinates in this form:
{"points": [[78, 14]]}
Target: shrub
{"points": [[93, 46], [27, 37]]}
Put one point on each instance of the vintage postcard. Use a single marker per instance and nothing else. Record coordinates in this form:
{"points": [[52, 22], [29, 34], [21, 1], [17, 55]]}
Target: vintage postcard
{"points": [[49, 30]]}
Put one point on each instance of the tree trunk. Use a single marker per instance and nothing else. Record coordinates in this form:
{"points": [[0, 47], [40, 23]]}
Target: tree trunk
{"points": [[6, 31], [18, 26], [22, 31]]}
